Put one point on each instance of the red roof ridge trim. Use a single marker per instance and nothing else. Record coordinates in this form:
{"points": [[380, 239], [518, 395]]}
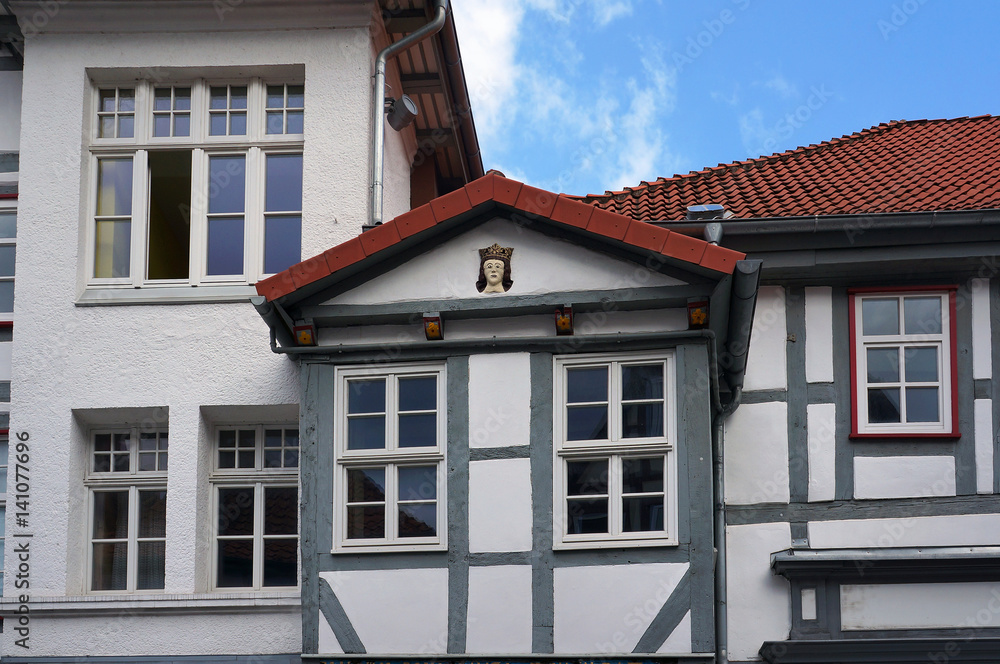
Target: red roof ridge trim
{"points": [[533, 202]]}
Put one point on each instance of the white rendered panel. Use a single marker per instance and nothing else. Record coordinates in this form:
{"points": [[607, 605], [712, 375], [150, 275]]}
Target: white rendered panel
{"points": [[904, 476], [679, 640], [957, 530], [808, 600], [607, 608], [328, 642], [819, 335], [5, 347], [766, 364], [500, 505], [982, 347], [539, 264], [984, 445], [920, 605], [499, 619], [499, 399], [821, 421], [759, 608], [395, 611], [757, 454]]}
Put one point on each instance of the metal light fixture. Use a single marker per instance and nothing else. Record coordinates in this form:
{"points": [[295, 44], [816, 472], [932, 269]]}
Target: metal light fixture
{"points": [[697, 314], [564, 320], [401, 112], [305, 335], [433, 329]]}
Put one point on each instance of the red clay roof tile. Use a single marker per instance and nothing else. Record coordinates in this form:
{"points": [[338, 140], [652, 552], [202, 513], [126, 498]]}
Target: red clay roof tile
{"points": [[541, 203], [915, 166]]}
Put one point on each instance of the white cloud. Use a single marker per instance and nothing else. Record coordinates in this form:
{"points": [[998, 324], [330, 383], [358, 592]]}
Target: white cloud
{"points": [[489, 34], [785, 88], [532, 105], [606, 11], [756, 137]]}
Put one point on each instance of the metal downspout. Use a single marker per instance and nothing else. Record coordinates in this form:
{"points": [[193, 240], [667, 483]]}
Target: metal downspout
{"points": [[378, 101], [732, 362]]}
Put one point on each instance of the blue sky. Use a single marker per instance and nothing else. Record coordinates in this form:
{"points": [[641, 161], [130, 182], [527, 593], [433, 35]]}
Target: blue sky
{"points": [[580, 96]]}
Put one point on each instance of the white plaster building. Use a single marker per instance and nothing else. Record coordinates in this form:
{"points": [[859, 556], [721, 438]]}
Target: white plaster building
{"points": [[171, 155], [10, 125]]}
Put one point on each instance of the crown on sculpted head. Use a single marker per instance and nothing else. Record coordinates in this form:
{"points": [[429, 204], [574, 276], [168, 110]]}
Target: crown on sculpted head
{"points": [[496, 251]]}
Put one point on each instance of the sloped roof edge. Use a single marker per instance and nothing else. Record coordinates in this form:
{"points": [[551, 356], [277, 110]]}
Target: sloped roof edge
{"points": [[533, 202]]}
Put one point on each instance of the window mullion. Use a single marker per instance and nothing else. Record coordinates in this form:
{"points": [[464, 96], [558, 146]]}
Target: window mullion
{"points": [[132, 547], [140, 216], [614, 402], [615, 495], [391, 502], [198, 218], [253, 223], [258, 536]]}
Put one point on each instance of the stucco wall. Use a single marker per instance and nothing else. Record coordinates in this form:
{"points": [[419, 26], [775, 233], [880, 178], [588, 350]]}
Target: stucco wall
{"points": [[178, 359]]}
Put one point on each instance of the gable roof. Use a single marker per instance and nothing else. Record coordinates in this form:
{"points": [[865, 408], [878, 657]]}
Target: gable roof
{"points": [[494, 190], [915, 166]]}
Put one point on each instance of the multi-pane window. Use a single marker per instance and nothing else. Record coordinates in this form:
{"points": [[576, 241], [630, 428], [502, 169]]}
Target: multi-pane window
{"points": [[127, 476], [903, 345], [8, 234], [172, 111], [116, 113], [285, 108], [390, 446], [227, 114], [614, 450], [256, 505], [198, 186]]}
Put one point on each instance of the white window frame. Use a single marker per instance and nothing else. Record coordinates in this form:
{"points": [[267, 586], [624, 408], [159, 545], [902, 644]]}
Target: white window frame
{"points": [[943, 342], [614, 449], [259, 478], [255, 145], [9, 207], [133, 481], [392, 457]]}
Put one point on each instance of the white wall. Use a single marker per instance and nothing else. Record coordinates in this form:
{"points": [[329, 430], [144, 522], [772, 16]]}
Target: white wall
{"points": [[756, 450], [766, 364], [759, 608], [958, 530], [179, 357], [396, 610], [499, 399], [500, 617], [904, 476], [500, 505], [920, 605], [607, 608]]}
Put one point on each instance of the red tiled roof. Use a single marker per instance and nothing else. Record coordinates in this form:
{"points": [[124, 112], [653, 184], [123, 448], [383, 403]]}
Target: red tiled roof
{"points": [[536, 203], [915, 166]]}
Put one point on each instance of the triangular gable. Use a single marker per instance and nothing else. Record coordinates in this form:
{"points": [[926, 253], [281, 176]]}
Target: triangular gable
{"points": [[560, 212], [542, 264]]}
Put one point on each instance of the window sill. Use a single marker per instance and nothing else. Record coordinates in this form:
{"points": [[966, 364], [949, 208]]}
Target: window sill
{"points": [[897, 435], [242, 602], [388, 548], [614, 543], [96, 297]]}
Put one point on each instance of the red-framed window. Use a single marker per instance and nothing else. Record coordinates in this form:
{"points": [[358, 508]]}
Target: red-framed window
{"points": [[903, 362]]}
